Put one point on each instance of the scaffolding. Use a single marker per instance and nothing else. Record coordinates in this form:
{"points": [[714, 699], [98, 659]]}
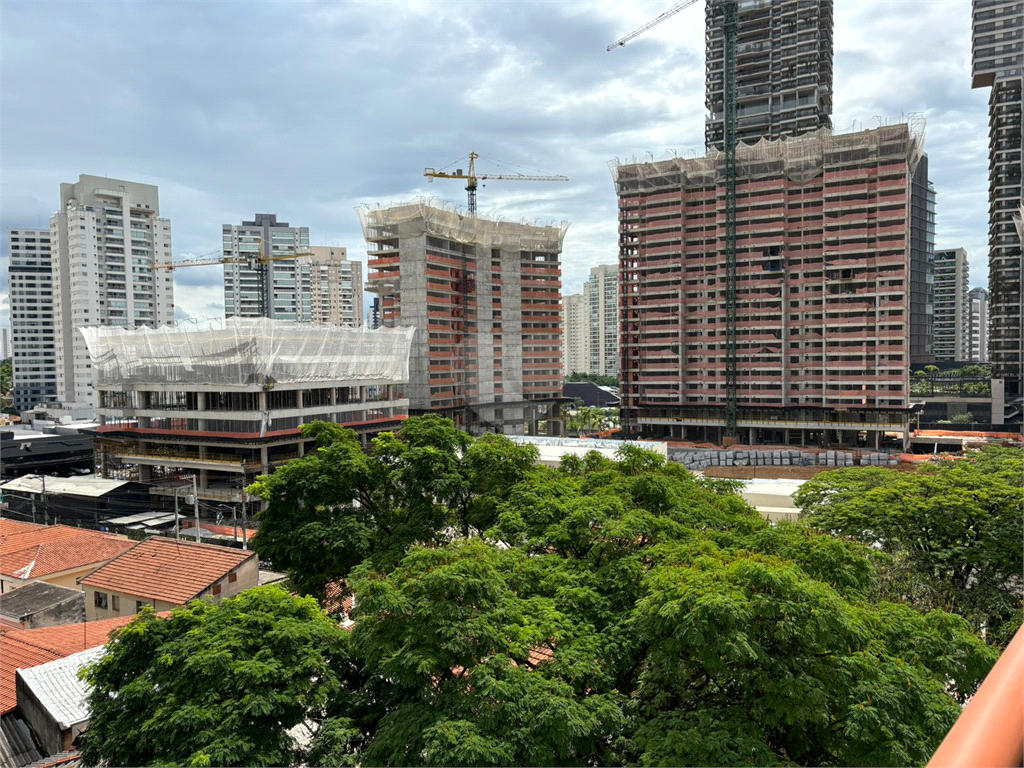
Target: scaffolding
{"points": [[247, 352], [800, 159], [445, 220], [484, 294]]}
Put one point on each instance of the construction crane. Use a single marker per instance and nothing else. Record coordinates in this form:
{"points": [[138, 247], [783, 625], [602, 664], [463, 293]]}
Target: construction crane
{"points": [[472, 178], [728, 11], [257, 261]]}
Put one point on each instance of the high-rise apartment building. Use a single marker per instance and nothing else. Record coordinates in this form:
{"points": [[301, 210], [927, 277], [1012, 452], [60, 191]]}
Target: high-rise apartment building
{"points": [[922, 269], [105, 240], [978, 343], [484, 296], [951, 331], [336, 287], [997, 44], [287, 282], [575, 334], [783, 69], [602, 294], [373, 314], [823, 262], [30, 284]]}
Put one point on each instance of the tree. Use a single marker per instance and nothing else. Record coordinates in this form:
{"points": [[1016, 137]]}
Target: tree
{"points": [[331, 510], [950, 533], [627, 612], [605, 612], [594, 378], [214, 684], [6, 376]]}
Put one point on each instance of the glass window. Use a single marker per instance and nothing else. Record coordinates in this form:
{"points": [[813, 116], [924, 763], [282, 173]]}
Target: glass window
{"points": [[99, 600]]}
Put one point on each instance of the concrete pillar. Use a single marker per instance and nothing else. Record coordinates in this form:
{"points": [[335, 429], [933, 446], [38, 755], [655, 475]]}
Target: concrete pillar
{"points": [[751, 436], [145, 473], [204, 479]]}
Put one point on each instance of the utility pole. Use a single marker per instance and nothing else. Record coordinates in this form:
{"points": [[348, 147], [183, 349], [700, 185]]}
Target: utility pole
{"points": [[45, 516], [245, 543], [177, 528], [195, 504]]}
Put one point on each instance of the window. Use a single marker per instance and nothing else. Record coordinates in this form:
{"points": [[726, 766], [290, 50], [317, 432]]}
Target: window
{"points": [[232, 577], [216, 589], [139, 604], [99, 600], [115, 603]]}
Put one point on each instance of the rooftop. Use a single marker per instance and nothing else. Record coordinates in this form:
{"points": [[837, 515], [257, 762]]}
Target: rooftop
{"points": [[86, 485], [174, 571], [59, 690], [25, 648], [32, 551], [247, 354], [32, 598]]}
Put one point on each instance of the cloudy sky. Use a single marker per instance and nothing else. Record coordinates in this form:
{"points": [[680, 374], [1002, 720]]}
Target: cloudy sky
{"points": [[308, 110]]}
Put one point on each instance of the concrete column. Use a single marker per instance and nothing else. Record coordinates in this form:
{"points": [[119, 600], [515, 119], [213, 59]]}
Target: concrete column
{"points": [[752, 436], [263, 456], [204, 479], [201, 406]]}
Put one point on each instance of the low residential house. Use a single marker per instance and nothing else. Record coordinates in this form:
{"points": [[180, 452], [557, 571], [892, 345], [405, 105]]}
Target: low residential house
{"points": [[52, 699], [26, 648], [55, 554], [41, 605], [166, 573]]}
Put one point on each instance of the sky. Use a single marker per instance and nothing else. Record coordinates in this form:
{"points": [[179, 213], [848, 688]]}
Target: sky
{"points": [[308, 110]]}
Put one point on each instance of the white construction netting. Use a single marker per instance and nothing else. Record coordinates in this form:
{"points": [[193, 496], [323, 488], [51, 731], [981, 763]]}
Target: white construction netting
{"points": [[444, 220], [247, 352], [799, 159]]}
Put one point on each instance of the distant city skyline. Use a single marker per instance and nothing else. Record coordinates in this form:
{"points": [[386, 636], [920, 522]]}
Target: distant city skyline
{"points": [[559, 104]]}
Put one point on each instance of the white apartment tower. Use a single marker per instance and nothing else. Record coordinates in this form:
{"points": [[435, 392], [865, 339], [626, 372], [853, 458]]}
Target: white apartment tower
{"points": [[336, 286], [979, 325], [602, 296], [575, 334], [31, 294], [952, 318], [106, 237], [287, 284]]}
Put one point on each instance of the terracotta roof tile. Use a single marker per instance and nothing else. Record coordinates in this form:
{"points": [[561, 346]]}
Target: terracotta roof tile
{"points": [[174, 571], [26, 648], [29, 551]]}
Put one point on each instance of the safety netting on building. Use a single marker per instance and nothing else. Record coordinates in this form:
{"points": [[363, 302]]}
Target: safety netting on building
{"points": [[247, 352], [799, 159], [445, 220]]}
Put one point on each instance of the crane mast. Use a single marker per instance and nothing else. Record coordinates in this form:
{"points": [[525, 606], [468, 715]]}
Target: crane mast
{"points": [[730, 28]]}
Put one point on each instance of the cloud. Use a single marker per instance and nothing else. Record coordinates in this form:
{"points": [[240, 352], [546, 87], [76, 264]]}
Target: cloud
{"points": [[310, 109]]}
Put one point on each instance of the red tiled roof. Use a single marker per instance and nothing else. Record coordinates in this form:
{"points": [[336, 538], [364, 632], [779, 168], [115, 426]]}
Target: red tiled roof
{"points": [[29, 551], [221, 530], [171, 570], [24, 648]]}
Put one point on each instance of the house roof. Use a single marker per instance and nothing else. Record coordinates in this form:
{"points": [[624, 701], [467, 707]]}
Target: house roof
{"points": [[171, 570], [17, 747], [37, 596], [88, 485], [26, 648], [57, 687], [30, 551]]}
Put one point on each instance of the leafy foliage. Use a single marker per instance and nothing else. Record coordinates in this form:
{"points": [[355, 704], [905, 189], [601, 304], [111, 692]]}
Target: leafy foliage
{"points": [[951, 532], [605, 612], [213, 684], [594, 378], [331, 510]]}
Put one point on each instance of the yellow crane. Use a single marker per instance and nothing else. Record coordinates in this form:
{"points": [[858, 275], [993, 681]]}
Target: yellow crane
{"points": [[257, 261], [472, 178]]}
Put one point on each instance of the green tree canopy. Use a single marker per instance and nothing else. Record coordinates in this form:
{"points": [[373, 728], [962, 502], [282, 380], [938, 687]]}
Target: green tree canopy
{"points": [[606, 612], [214, 684], [951, 533], [330, 510]]}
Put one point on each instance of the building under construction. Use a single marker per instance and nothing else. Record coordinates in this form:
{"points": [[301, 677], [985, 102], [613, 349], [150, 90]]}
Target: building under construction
{"points": [[822, 290], [483, 296], [225, 404]]}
